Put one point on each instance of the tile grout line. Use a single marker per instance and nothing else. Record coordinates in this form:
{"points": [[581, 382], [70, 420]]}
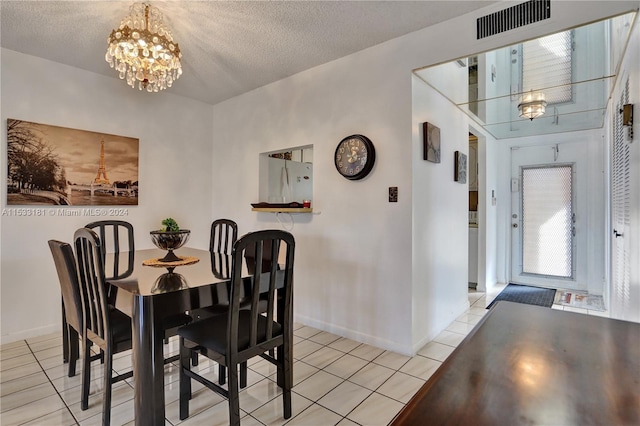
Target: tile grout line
{"points": [[52, 385], [375, 391], [311, 333], [395, 370], [368, 362], [343, 380]]}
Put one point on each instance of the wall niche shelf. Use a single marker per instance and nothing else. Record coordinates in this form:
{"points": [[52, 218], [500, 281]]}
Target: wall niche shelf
{"points": [[282, 209]]}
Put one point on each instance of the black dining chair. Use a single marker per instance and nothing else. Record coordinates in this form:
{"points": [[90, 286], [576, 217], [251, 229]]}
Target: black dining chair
{"points": [[98, 321], [241, 334], [102, 324], [116, 236], [65, 264], [224, 233]]}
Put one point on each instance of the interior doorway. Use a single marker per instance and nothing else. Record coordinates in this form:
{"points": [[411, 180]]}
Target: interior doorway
{"points": [[473, 212]]}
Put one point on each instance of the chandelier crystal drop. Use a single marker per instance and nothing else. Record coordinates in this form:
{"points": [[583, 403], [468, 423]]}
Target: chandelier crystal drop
{"points": [[142, 50], [533, 105]]}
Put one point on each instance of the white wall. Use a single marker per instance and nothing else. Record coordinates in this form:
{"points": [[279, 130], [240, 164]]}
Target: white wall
{"points": [[450, 78], [174, 173], [353, 255], [358, 256], [440, 218], [627, 307]]}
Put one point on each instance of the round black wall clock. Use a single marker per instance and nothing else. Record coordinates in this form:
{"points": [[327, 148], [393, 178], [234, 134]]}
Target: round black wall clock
{"points": [[355, 157]]}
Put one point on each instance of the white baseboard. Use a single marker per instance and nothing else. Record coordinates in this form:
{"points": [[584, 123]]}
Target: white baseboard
{"points": [[378, 342], [368, 339], [27, 334]]}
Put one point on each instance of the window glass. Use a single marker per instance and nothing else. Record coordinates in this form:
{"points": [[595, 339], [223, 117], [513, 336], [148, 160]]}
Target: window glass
{"points": [[546, 63]]}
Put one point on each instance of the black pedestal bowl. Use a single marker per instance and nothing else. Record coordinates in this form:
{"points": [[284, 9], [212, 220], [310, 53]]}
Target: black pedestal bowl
{"points": [[170, 241]]}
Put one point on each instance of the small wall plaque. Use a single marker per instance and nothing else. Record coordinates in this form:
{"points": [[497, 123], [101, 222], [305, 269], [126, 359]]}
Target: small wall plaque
{"points": [[460, 167], [431, 142]]}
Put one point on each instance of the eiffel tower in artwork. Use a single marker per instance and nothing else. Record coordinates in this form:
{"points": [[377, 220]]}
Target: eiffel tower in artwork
{"points": [[101, 177]]}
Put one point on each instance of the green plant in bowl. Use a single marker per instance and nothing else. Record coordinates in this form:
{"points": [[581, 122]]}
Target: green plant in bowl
{"points": [[170, 238], [170, 225]]}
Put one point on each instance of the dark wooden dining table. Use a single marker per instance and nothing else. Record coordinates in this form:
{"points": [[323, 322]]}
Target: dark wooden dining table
{"points": [[151, 294], [531, 365]]}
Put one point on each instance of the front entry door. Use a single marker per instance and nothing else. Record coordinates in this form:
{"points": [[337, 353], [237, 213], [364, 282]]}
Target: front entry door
{"points": [[547, 222]]}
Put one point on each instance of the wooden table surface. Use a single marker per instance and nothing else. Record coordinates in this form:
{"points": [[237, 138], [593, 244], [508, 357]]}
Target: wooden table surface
{"points": [[530, 365]]}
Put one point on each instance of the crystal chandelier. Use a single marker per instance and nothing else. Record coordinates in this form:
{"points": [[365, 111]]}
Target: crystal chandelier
{"points": [[142, 49], [533, 105]]}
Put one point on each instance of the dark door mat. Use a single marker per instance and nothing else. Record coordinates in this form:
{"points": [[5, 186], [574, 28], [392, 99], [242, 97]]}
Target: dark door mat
{"points": [[526, 294]]}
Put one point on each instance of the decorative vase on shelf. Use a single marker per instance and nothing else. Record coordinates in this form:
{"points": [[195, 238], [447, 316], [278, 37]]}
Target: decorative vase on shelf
{"points": [[170, 241]]}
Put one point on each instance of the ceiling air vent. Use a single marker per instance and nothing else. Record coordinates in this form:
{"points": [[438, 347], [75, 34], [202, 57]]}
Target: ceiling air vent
{"points": [[513, 17]]}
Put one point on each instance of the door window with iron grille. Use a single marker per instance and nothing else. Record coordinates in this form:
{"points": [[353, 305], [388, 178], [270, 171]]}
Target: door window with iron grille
{"points": [[547, 221]]}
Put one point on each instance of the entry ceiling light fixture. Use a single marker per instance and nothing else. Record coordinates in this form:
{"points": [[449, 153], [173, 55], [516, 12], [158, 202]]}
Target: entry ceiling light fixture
{"points": [[532, 105], [142, 49]]}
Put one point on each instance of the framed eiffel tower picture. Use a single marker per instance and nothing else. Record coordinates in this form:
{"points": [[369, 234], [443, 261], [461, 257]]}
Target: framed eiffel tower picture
{"points": [[53, 165]]}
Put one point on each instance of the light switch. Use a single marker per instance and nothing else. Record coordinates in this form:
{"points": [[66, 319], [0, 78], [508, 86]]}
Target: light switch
{"points": [[515, 185]]}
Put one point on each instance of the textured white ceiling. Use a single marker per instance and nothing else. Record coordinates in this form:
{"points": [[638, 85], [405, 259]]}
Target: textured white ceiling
{"points": [[228, 47]]}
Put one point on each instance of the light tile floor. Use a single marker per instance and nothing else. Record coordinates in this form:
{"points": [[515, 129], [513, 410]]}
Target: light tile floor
{"points": [[337, 381]]}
